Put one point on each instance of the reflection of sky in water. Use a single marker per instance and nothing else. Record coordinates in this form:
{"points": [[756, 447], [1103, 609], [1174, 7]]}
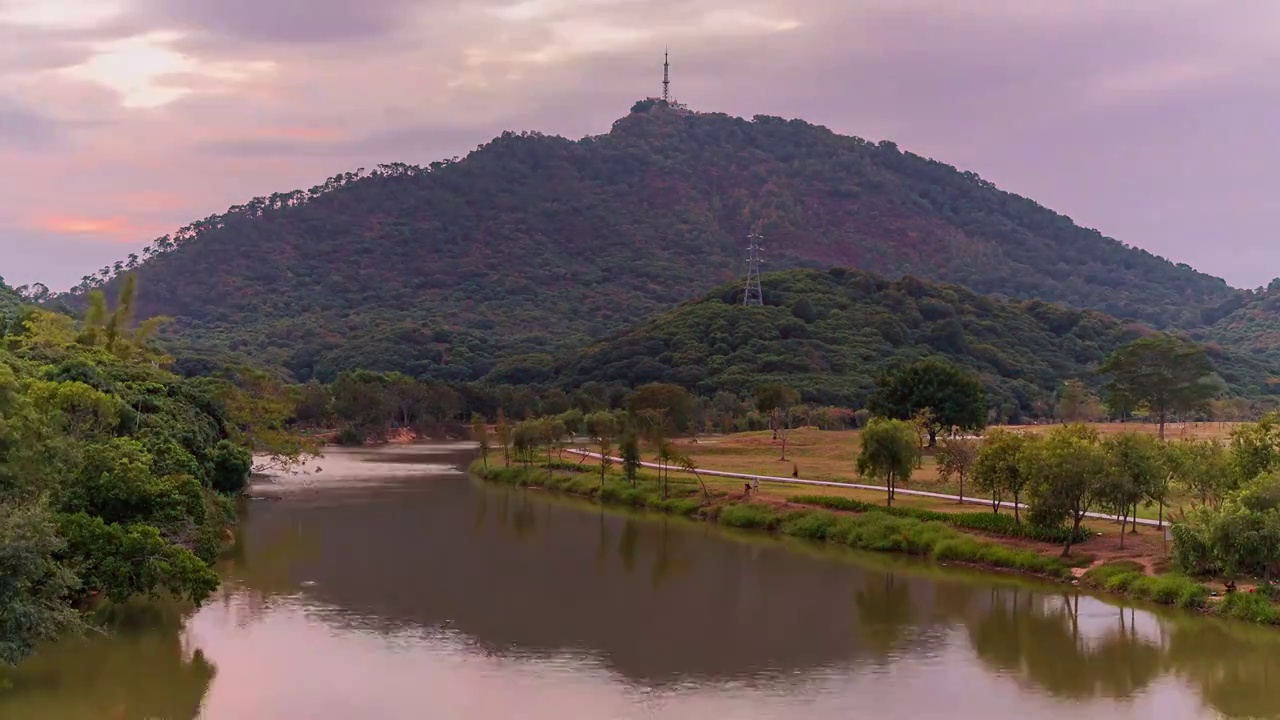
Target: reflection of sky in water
{"points": [[430, 596], [293, 663]]}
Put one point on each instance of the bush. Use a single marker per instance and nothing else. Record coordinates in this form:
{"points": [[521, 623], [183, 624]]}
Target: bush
{"points": [[811, 525], [351, 436], [231, 467], [979, 521], [1250, 607], [1129, 578], [747, 515]]}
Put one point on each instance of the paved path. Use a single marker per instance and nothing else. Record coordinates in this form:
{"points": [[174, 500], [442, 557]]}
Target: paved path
{"points": [[856, 486]]}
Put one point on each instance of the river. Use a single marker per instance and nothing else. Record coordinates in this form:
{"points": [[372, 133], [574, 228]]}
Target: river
{"points": [[390, 585]]}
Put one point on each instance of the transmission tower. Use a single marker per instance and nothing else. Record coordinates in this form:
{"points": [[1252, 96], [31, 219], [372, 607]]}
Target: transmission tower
{"points": [[666, 76], [754, 294]]}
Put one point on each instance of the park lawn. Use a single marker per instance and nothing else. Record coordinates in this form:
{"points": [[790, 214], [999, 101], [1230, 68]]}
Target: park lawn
{"points": [[830, 455]]}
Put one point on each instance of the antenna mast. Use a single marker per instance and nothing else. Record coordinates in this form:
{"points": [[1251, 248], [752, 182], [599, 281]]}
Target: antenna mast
{"points": [[666, 76], [754, 294]]}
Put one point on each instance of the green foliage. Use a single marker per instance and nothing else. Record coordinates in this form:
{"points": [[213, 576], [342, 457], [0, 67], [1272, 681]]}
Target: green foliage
{"points": [[1248, 322], [746, 515], [956, 459], [126, 560], [1239, 537], [1022, 351], [1067, 472], [1135, 472], [1249, 607], [937, 389], [982, 522], [663, 406], [1130, 579], [231, 467], [875, 531], [1201, 468], [888, 452], [109, 472], [1168, 374], [999, 469], [1255, 448], [395, 270], [33, 584]]}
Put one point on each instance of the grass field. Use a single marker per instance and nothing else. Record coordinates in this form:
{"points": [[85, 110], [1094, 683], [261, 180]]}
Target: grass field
{"points": [[830, 456]]}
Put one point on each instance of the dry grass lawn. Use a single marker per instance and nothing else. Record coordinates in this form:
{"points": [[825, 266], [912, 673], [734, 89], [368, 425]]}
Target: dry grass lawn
{"points": [[830, 456]]}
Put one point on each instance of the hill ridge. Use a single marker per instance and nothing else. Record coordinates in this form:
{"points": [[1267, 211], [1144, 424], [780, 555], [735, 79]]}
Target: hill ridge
{"points": [[534, 242]]}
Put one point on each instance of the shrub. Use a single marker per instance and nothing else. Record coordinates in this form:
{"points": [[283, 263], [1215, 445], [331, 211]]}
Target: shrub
{"points": [[350, 436], [979, 521], [1129, 578], [812, 525], [231, 467], [747, 515], [1250, 607]]}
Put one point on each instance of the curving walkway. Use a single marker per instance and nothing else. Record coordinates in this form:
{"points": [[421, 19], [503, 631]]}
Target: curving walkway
{"points": [[856, 486]]}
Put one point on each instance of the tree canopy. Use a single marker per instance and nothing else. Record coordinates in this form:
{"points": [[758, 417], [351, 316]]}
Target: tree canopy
{"points": [[488, 264], [1168, 374], [113, 472], [935, 389]]}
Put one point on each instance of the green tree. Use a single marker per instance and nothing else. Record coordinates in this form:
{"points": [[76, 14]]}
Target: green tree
{"points": [[480, 436], [776, 401], [603, 428], [1168, 374], [526, 436], [504, 437], [629, 448], [954, 397], [999, 468], [1202, 469], [670, 401], [956, 458], [1075, 403], [1068, 471], [1255, 448], [33, 583], [572, 420], [1134, 469], [888, 453]]}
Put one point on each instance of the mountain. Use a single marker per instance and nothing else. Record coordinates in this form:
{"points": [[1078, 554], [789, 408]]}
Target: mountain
{"points": [[829, 334], [1253, 324], [535, 243]]}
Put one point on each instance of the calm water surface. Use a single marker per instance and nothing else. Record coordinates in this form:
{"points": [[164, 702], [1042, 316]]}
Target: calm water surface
{"points": [[392, 586]]}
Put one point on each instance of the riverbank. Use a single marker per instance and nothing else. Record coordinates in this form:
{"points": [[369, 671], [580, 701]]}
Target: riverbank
{"points": [[947, 538]]}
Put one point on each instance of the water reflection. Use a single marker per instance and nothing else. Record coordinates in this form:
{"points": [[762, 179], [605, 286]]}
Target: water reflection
{"points": [[131, 675], [457, 585]]}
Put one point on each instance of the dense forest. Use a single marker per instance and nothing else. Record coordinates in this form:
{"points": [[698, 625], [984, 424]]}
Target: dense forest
{"points": [[116, 475], [532, 244], [1253, 325], [830, 334]]}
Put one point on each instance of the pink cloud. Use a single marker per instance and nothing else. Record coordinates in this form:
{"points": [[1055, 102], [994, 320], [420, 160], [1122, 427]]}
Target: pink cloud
{"points": [[112, 229]]}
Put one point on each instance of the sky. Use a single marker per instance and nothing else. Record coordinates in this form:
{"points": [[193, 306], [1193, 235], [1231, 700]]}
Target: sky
{"points": [[121, 120]]}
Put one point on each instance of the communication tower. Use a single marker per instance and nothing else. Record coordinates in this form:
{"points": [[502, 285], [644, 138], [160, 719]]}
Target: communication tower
{"points": [[666, 76], [754, 294]]}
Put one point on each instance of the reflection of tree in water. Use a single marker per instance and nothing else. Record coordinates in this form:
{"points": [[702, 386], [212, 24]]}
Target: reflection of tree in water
{"points": [[1035, 637], [669, 561], [128, 676], [249, 581], [885, 616], [628, 543], [523, 519], [1236, 667]]}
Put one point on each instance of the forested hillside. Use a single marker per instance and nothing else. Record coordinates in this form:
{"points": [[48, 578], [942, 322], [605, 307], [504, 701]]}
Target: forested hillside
{"points": [[534, 243], [829, 334], [1252, 326]]}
